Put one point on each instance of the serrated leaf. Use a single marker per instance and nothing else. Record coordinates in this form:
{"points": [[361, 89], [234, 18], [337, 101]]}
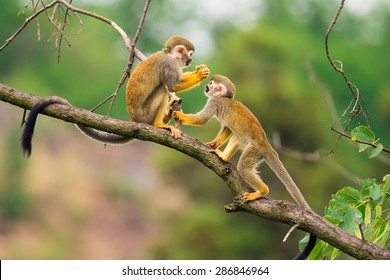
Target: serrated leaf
{"points": [[347, 196], [363, 133], [352, 218], [373, 152]]}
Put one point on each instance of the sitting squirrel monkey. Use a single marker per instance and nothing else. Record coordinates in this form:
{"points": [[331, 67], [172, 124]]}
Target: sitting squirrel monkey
{"points": [[246, 134], [147, 92]]}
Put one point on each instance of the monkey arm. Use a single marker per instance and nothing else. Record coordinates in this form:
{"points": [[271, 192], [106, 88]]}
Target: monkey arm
{"points": [[223, 134], [190, 119], [190, 79]]}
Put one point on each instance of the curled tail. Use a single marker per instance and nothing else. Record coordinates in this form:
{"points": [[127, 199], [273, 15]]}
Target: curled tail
{"points": [[28, 130]]}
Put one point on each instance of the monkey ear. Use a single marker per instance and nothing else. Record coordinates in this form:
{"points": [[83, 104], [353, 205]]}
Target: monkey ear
{"points": [[221, 90], [180, 49]]}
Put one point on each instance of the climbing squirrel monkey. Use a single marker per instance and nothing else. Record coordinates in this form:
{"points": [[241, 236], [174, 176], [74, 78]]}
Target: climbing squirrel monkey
{"points": [[246, 134], [147, 92]]}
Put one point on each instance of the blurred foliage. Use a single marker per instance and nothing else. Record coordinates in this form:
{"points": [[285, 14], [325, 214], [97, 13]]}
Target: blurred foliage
{"points": [[75, 199]]}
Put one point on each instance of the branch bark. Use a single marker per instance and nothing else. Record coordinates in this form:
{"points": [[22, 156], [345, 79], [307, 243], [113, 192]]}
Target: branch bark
{"points": [[276, 210]]}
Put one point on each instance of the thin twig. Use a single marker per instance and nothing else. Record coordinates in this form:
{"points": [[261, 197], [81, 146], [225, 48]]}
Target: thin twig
{"points": [[26, 22], [290, 231], [358, 141], [357, 103], [126, 39], [63, 28], [58, 29], [129, 65]]}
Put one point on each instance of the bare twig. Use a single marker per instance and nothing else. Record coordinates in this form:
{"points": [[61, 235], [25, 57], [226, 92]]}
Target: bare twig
{"points": [[126, 72], [357, 105], [126, 39], [62, 29], [26, 22]]}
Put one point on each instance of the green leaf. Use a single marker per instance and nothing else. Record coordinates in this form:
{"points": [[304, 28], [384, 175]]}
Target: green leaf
{"points": [[368, 182], [375, 192], [367, 215], [378, 212], [373, 152], [335, 253], [353, 217], [363, 133], [363, 147], [346, 197], [303, 242], [386, 188]]}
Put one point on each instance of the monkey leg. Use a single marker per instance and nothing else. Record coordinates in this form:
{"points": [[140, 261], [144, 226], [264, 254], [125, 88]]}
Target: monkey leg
{"points": [[223, 134], [246, 166], [230, 149]]}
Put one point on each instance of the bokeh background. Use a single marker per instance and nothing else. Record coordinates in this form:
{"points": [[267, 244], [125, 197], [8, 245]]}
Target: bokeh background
{"points": [[77, 199]]}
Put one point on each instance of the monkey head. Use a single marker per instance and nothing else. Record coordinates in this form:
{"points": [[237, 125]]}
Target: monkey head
{"points": [[181, 49], [220, 86]]}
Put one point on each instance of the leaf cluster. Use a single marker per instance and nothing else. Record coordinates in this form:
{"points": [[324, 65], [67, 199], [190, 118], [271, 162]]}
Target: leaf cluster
{"points": [[364, 213]]}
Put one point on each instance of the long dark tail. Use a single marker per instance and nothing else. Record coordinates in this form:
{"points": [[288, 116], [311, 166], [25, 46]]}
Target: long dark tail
{"points": [[28, 130], [104, 137], [307, 250], [277, 166]]}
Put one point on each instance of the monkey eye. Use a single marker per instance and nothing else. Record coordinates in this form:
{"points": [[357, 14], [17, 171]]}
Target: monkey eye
{"points": [[190, 53]]}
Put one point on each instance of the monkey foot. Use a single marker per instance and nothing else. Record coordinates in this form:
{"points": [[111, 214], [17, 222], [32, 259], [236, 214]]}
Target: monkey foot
{"points": [[174, 131], [218, 153], [253, 196], [213, 145]]}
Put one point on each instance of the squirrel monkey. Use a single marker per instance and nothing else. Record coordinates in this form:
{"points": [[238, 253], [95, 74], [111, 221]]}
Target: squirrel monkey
{"points": [[246, 134], [147, 92]]}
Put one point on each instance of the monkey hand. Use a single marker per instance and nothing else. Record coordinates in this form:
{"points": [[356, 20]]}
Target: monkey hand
{"points": [[203, 71], [175, 103], [213, 145], [177, 115]]}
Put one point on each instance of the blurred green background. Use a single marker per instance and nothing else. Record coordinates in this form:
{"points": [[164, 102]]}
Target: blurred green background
{"points": [[77, 199]]}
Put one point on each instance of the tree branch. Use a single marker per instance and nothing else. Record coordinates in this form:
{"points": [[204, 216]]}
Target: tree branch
{"points": [[279, 211]]}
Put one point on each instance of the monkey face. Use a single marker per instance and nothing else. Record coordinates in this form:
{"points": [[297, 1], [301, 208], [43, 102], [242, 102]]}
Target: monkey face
{"points": [[214, 89], [181, 53], [189, 58], [210, 89]]}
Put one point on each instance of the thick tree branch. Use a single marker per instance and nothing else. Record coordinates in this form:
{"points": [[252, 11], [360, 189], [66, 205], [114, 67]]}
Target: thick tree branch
{"points": [[279, 211]]}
